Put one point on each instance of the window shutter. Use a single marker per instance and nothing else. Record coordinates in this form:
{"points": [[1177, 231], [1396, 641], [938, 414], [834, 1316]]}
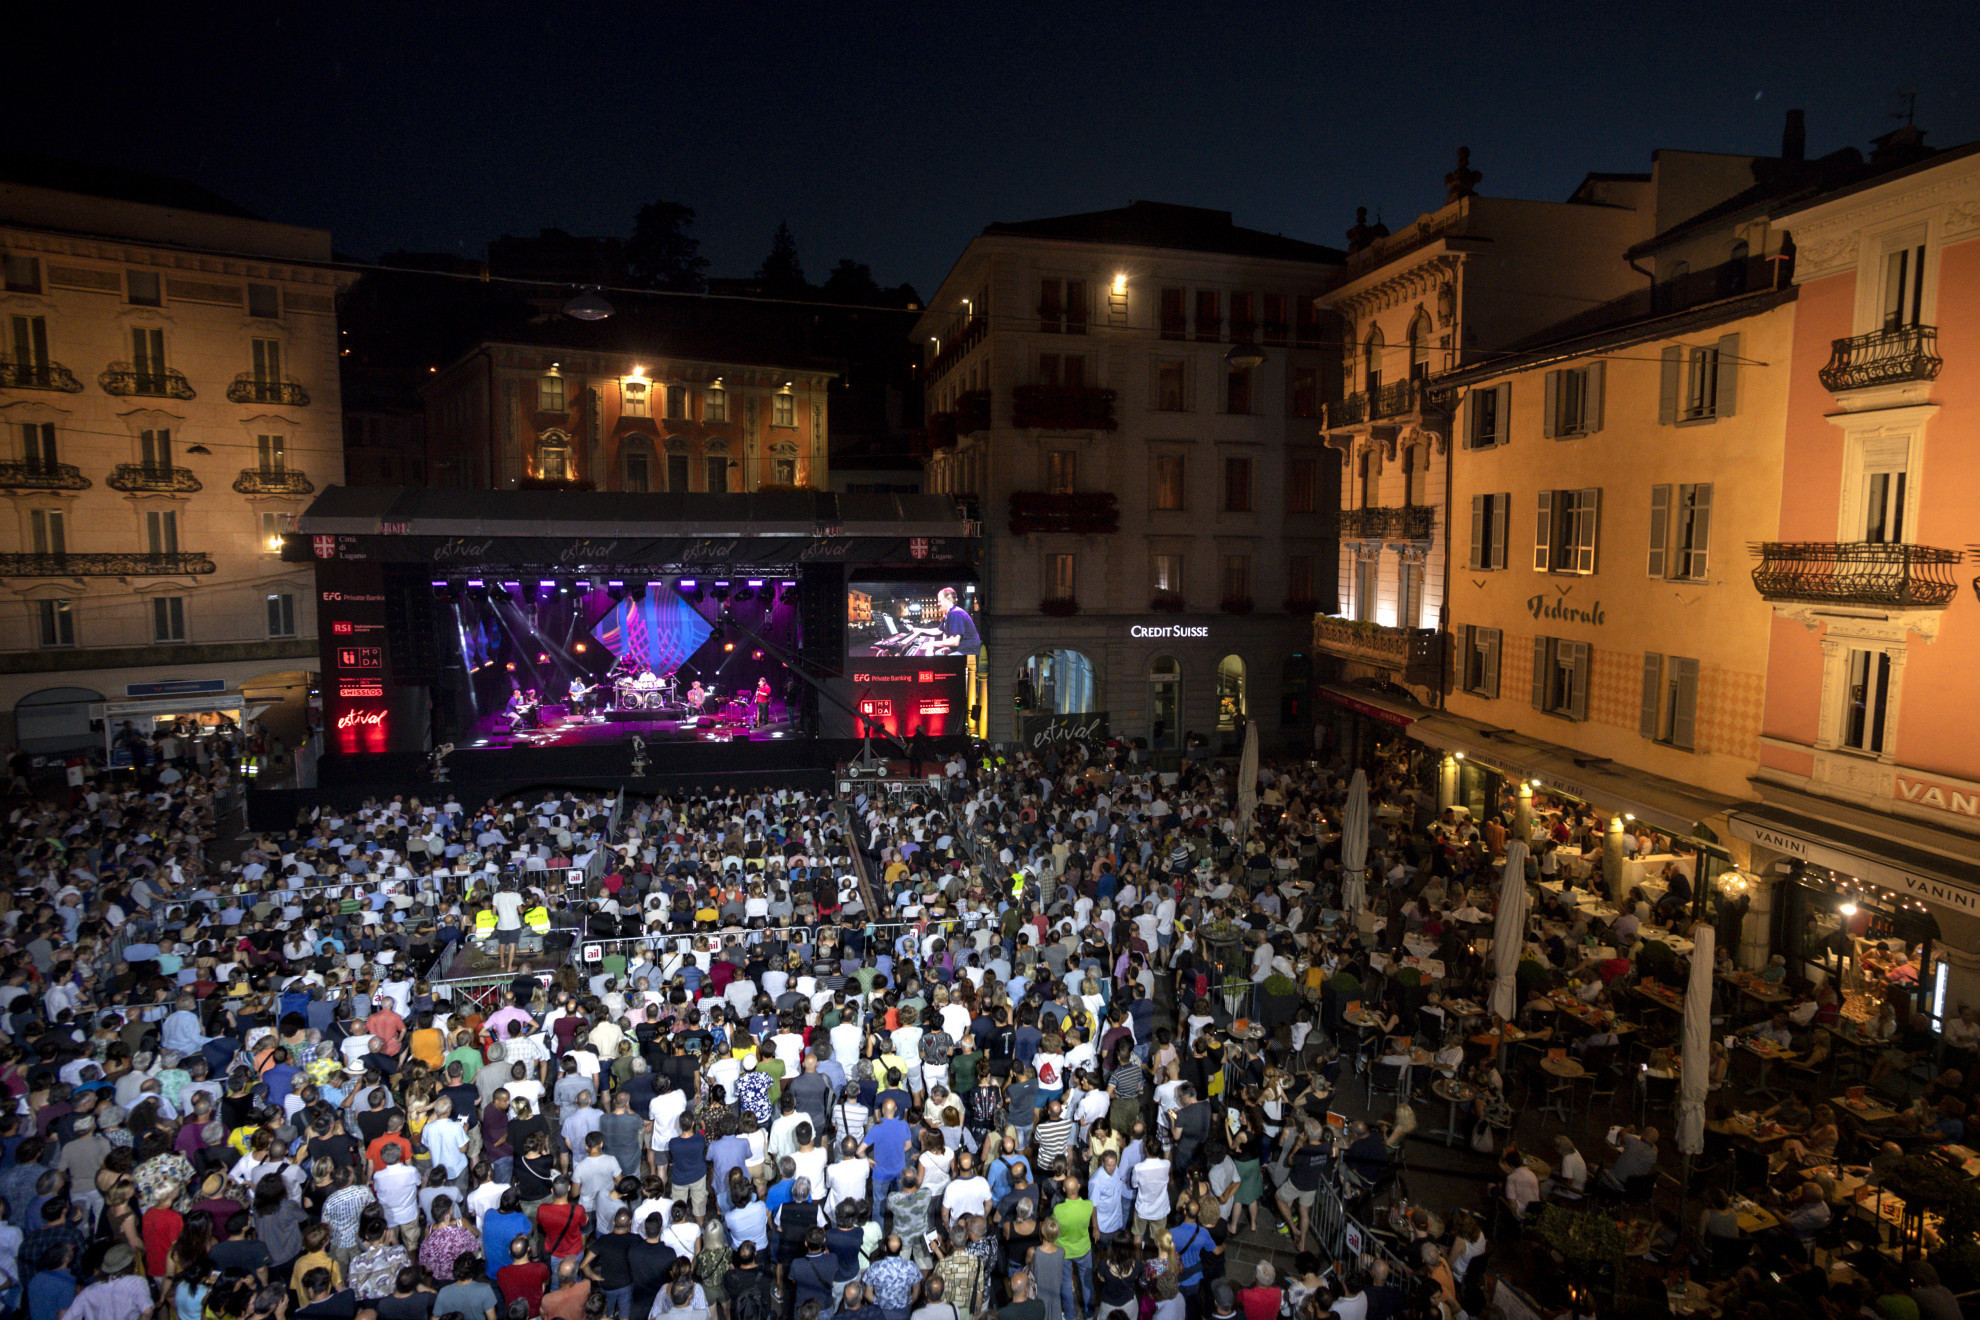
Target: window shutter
{"points": [[1586, 527], [1579, 708], [1502, 513], [1660, 526], [1653, 690], [1491, 637], [1684, 713], [1549, 426], [1727, 402], [1591, 397], [1479, 547], [1701, 529], [1471, 420], [1543, 533], [1667, 387], [1540, 659], [1504, 433]]}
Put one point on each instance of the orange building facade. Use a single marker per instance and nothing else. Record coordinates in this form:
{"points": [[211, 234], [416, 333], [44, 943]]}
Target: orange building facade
{"points": [[510, 416], [1869, 757]]}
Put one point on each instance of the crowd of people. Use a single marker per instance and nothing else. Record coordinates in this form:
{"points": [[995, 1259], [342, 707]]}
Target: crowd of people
{"points": [[1061, 1034]]}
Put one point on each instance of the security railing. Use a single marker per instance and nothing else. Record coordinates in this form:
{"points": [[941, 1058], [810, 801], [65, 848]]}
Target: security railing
{"points": [[1877, 573], [1883, 357], [135, 477]]}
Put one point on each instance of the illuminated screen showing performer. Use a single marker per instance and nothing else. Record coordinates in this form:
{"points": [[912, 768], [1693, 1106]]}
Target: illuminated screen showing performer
{"points": [[959, 635]]}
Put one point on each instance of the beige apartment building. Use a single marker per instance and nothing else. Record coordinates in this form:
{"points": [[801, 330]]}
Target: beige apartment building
{"points": [[169, 400]]}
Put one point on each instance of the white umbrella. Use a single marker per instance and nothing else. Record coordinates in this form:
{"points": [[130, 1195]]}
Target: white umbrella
{"points": [[1509, 932], [1697, 1069], [1354, 845], [1248, 776]]}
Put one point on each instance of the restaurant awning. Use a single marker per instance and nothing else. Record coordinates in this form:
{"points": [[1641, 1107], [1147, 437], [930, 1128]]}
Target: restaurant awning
{"points": [[1375, 705], [1928, 876], [1663, 803]]}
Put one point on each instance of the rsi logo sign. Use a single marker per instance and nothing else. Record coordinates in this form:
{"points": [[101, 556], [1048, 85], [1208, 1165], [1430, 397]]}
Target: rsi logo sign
{"points": [[361, 719]]}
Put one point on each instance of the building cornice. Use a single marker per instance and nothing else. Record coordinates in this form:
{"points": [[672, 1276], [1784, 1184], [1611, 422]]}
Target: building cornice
{"points": [[1828, 234], [169, 256]]}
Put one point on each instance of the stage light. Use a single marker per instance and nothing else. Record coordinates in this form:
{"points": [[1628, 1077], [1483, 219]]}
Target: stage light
{"points": [[728, 646], [579, 648], [476, 583], [720, 591], [687, 582], [439, 583], [615, 582], [756, 582], [547, 582], [757, 655], [512, 586], [745, 594], [542, 658], [512, 666]]}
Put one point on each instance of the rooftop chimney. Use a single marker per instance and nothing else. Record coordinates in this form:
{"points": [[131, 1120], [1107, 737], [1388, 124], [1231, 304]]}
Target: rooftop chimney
{"points": [[1794, 138]]}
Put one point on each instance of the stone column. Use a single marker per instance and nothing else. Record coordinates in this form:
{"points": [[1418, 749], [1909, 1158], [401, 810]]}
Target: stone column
{"points": [[1522, 829], [1613, 856], [1447, 782]]}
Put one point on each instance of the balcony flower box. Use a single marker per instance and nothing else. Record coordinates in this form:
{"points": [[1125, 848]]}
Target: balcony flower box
{"points": [[1059, 607], [1235, 605], [1166, 602], [972, 412], [1081, 513]]}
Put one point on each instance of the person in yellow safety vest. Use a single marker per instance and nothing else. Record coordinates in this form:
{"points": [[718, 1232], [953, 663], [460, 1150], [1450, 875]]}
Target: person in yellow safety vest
{"points": [[1017, 884], [538, 919], [484, 924]]}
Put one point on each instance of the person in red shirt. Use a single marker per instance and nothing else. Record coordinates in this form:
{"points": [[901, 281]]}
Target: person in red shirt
{"points": [[561, 1222], [162, 1226], [395, 1135], [388, 1026], [1261, 1301], [526, 1276]]}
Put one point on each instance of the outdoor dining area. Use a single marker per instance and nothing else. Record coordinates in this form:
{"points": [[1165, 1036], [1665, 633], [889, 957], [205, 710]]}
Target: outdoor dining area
{"points": [[1688, 1124]]}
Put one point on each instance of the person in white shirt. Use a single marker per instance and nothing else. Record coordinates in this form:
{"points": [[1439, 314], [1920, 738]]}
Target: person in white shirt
{"points": [[446, 1140], [850, 1179], [397, 1189], [1150, 1181], [968, 1192]]}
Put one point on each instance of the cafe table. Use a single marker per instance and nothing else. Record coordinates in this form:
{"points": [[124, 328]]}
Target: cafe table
{"points": [[1750, 1129], [1754, 1217], [1864, 1109], [1455, 1095], [1759, 991], [1769, 1054]]}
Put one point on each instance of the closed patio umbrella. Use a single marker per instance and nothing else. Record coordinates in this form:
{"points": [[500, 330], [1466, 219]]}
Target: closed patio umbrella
{"points": [[1354, 846], [1509, 932]]}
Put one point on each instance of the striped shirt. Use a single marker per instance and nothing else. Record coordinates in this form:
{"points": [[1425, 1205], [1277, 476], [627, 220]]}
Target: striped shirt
{"points": [[1127, 1081]]}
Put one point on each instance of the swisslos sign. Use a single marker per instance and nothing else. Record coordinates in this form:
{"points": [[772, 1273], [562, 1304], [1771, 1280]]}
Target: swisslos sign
{"points": [[1169, 630]]}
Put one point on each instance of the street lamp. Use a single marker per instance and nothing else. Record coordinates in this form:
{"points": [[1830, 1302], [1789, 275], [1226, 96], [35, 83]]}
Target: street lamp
{"points": [[588, 305], [1245, 356]]}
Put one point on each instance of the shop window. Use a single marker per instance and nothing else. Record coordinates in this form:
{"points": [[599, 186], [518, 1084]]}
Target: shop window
{"points": [[1230, 692], [1060, 682], [1165, 704]]}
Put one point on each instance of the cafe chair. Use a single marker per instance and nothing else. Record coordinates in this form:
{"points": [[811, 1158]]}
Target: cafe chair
{"points": [[1385, 1078], [1558, 1097]]}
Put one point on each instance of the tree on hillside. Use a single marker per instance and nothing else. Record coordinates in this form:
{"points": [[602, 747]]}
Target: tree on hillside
{"points": [[781, 273], [851, 282], [661, 253]]}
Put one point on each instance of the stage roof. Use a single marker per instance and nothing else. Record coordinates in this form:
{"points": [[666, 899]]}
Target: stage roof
{"points": [[421, 511]]}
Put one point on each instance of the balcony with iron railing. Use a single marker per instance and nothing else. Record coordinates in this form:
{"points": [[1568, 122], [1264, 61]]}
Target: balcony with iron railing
{"points": [[133, 478], [1892, 356], [1063, 407], [105, 565], [954, 350], [264, 481], [1397, 400], [38, 376], [1880, 574], [1417, 652], [123, 378], [1409, 522], [1082, 512], [32, 474], [250, 388]]}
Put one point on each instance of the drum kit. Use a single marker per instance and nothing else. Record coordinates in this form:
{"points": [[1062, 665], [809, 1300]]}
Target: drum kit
{"points": [[646, 692]]}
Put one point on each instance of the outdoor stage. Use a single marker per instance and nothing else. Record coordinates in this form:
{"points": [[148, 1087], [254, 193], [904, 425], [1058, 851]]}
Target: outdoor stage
{"points": [[561, 729]]}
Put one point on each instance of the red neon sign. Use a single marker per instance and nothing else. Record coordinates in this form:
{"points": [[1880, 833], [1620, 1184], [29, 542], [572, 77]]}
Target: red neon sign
{"points": [[361, 730]]}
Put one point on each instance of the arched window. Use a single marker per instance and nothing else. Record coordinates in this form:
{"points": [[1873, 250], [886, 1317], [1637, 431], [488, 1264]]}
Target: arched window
{"points": [[1230, 692], [1295, 685], [1371, 360], [1733, 280], [1165, 704], [1419, 347], [56, 720], [1061, 683], [636, 465], [553, 456]]}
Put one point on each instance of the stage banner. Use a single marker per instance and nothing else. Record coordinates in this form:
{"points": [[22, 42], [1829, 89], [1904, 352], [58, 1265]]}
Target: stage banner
{"points": [[667, 554], [1043, 731]]}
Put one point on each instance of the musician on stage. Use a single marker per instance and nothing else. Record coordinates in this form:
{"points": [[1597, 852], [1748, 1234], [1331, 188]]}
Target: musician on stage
{"points": [[695, 696], [580, 696], [762, 702]]}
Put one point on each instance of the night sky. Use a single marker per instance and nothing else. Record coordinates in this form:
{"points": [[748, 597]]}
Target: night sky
{"points": [[892, 133]]}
